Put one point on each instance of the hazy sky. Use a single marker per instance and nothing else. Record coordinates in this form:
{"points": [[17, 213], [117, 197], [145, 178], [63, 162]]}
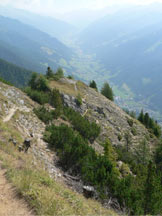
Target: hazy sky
{"points": [[61, 6]]}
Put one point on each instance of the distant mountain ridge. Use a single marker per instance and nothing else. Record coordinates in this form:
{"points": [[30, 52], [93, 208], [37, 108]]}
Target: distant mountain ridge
{"points": [[37, 48], [54, 27], [129, 45]]}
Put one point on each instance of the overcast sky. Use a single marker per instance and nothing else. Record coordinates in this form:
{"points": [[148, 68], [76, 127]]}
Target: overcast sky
{"points": [[61, 6]]}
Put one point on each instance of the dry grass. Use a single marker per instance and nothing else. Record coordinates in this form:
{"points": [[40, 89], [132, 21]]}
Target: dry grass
{"points": [[64, 88]]}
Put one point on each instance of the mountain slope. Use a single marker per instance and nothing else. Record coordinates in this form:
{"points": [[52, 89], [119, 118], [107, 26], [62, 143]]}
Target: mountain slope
{"points": [[34, 174], [54, 27], [32, 45], [95, 148], [128, 43], [14, 74], [114, 121]]}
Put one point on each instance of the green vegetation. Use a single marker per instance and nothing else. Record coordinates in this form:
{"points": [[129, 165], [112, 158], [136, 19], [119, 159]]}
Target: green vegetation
{"points": [[149, 122], [55, 76], [44, 195], [38, 82], [88, 130], [130, 122], [79, 100], [93, 84], [134, 131], [130, 184], [5, 82], [70, 77], [107, 91], [45, 115], [14, 74], [76, 155], [38, 96], [131, 113]]}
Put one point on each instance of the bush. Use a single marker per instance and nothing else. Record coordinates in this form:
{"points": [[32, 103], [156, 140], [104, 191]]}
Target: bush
{"points": [[130, 122], [78, 100], [59, 74], [77, 157], [70, 77], [38, 96], [134, 131], [88, 130], [125, 169], [45, 115], [119, 137], [75, 154]]}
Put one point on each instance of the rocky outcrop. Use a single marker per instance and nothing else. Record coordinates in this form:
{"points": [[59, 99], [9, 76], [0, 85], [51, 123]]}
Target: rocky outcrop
{"points": [[115, 124], [16, 111]]}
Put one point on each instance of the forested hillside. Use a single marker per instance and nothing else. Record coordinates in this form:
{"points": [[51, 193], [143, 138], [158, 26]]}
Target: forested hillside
{"points": [[14, 74]]}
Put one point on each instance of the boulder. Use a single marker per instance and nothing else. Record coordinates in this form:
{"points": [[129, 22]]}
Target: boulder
{"points": [[88, 191]]}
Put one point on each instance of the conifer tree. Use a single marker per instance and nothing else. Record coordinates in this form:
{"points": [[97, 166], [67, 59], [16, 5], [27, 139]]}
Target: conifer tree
{"points": [[153, 191], [93, 84], [107, 91], [49, 73], [141, 117], [146, 120]]}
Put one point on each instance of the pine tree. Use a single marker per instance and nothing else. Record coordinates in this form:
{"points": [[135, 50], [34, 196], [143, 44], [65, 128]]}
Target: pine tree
{"points": [[93, 84], [141, 117], [107, 91], [49, 73], [146, 120], [143, 152], [153, 191]]}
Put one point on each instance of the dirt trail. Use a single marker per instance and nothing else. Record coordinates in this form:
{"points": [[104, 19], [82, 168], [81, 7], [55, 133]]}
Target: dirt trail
{"points": [[12, 112], [10, 204], [9, 116]]}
